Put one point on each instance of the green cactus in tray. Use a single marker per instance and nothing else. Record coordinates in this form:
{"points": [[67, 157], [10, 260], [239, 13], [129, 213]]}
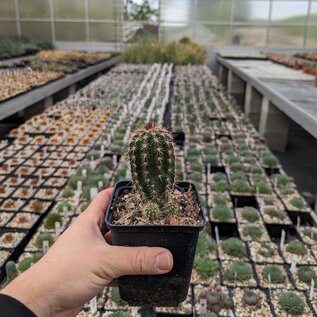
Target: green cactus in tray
{"points": [[292, 303], [152, 161]]}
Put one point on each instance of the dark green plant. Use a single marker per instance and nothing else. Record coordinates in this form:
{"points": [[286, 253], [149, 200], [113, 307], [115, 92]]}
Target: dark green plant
{"points": [[68, 193], [286, 189], [37, 256], [205, 267], [250, 214], [196, 166], [88, 170], [51, 220], [234, 247], [115, 296], [251, 298], [266, 250], [95, 180], [275, 213], [240, 186], [220, 199], [73, 180], [222, 213], [292, 303], [296, 247], [205, 245], [269, 160], [280, 179], [310, 233], [306, 274], [220, 186], [25, 264], [263, 188], [239, 271], [268, 201], [101, 170], [254, 232], [298, 203], [152, 161], [11, 271], [120, 314], [276, 275], [44, 236], [211, 159], [219, 177], [64, 204]]}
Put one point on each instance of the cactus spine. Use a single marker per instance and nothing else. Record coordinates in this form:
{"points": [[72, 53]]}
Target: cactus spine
{"points": [[152, 161]]}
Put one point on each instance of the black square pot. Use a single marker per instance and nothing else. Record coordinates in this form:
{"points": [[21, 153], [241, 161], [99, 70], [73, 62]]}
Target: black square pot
{"points": [[157, 290]]}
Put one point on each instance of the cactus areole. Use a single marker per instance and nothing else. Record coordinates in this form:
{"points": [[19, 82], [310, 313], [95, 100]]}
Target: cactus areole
{"points": [[153, 210]]}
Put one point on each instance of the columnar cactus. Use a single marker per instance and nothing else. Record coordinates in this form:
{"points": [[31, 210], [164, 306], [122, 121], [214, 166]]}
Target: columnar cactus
{"points": [[152, 161]]}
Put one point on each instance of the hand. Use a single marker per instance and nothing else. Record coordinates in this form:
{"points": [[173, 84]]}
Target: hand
{"points": [[80, 264]]}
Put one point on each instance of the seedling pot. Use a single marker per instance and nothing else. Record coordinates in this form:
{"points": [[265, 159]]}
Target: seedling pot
{"points": [[157, 290]]}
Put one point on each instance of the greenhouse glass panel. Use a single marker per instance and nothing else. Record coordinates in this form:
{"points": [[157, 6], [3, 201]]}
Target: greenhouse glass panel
{"points": [[41, 30], [214, 11], [311, 40], [104, 32], [104, 9], [212, 34], [69, 9], [34, 8], [8, 28], [313, 13], [292, 12], [7, 9], [251, 11], [286, 36], [70, 31], [177, 10], [171, 31], [249, 35]]}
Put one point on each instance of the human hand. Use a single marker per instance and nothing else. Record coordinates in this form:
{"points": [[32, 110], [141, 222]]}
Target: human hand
{"points": [[80, 264]]}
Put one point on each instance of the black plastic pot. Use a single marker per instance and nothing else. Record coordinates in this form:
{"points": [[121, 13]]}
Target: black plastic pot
{"points": [[157, 290]]}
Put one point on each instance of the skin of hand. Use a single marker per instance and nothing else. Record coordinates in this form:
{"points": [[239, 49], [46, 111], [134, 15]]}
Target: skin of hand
{"points": [[80, 264]]}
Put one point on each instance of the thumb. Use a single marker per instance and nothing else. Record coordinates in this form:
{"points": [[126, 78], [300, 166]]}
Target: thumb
{"points": [[138, 261]]}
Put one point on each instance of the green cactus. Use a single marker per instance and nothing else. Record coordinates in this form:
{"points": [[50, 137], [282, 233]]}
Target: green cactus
{"points": [[205, 245], [44, 236], [51, 220], [292, 303], [152, 161], [254, 232], [239, 271], [306, 274], [251, 297], [37, 256], [11, 271], [298, 203], [206, 267], [222, 213], [296, 247], [25, 264], [170, 209], [275, 273], [250, 214], [151, 211], [234, 247]]}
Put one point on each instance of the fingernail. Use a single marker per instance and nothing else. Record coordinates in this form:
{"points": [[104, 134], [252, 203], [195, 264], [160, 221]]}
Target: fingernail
{"points": [[163, 262]]}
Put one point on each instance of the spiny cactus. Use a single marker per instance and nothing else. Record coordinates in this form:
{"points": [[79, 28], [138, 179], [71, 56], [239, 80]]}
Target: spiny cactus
{"points": [[251, 298], [152, 160], [11, 271], [151, 210], [306, 274], [292, 303]]}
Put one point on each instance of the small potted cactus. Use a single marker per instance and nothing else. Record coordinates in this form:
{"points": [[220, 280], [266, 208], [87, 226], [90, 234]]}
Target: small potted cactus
{"points": [[153, 210]]}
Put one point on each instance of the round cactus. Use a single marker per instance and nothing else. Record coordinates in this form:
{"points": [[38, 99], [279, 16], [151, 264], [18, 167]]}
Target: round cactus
{"points": [[151, 211], [152, 161]]}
